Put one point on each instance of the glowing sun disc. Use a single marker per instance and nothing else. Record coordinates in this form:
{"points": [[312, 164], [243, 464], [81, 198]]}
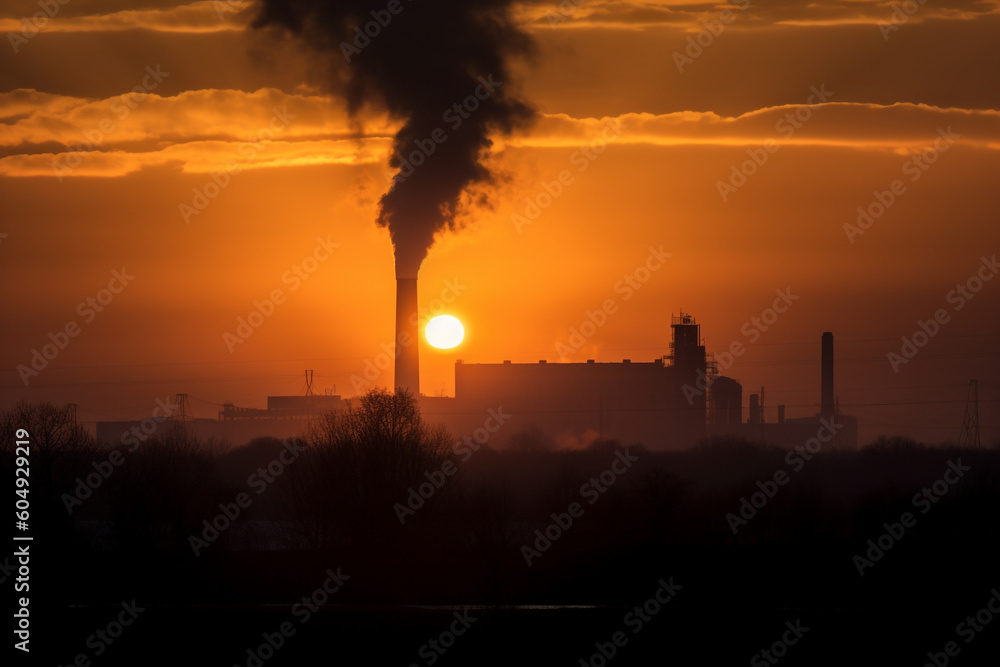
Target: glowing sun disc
{"points": [[444, 332]]}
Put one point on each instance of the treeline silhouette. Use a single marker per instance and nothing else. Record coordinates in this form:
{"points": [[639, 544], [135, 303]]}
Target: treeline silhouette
{"points": [[382, 494]]}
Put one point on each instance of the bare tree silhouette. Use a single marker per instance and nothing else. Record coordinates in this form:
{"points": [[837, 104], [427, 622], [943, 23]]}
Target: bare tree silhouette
{"points": [[60, 451], [164, 491], [360, 462]]}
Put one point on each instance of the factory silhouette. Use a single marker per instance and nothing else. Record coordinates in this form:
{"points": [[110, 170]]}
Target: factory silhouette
{"points": [[669, 403]]}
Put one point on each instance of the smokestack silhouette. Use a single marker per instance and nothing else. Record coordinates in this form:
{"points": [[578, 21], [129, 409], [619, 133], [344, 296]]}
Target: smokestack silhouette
{"points": [[440, 68], [826, 391], [407, 356]]}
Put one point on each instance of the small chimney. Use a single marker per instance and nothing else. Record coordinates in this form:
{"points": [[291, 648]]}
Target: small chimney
{"points": [[826, 390]]}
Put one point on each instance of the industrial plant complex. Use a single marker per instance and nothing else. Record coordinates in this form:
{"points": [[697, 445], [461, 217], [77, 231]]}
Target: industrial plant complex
{"points": [[671, 402]]}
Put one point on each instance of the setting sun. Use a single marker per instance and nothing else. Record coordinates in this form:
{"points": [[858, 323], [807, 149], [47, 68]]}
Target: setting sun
{"points": [[444, 332]]}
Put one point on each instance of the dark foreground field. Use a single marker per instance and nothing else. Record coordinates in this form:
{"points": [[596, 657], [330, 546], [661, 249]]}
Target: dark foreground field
{"points": [[732, 604], [883, 556]]}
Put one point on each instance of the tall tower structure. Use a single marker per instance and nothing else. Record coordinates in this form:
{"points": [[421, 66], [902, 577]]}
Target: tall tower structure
{"points": [[970, 424], [686, 347], [688, 361], [827, 408], [407, 343]]}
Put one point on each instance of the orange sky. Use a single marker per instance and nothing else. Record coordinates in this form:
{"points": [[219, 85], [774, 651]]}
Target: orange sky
{"points": [[167, 94]]}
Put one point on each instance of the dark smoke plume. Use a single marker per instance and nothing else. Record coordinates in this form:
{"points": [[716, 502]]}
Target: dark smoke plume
{"points": [[418, 63]]}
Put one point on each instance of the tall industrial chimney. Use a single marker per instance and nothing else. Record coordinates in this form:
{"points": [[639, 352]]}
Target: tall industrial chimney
{"points": [[407, 337], [754, 409], [826, 391]]}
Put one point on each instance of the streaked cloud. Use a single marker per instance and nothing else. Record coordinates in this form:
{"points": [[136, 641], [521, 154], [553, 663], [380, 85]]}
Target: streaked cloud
{"points": [[196, 114], [852, 125], [208, 130], [636, 15], [206, 16], [198, 157]]}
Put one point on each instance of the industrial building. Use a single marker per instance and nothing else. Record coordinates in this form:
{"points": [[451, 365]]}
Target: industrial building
{"points": [[725, 394], [284, 417], [657, 403], [578, 402]]}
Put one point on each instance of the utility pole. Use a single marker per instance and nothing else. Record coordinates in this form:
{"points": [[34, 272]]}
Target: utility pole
{"points": [[970, 425]]}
